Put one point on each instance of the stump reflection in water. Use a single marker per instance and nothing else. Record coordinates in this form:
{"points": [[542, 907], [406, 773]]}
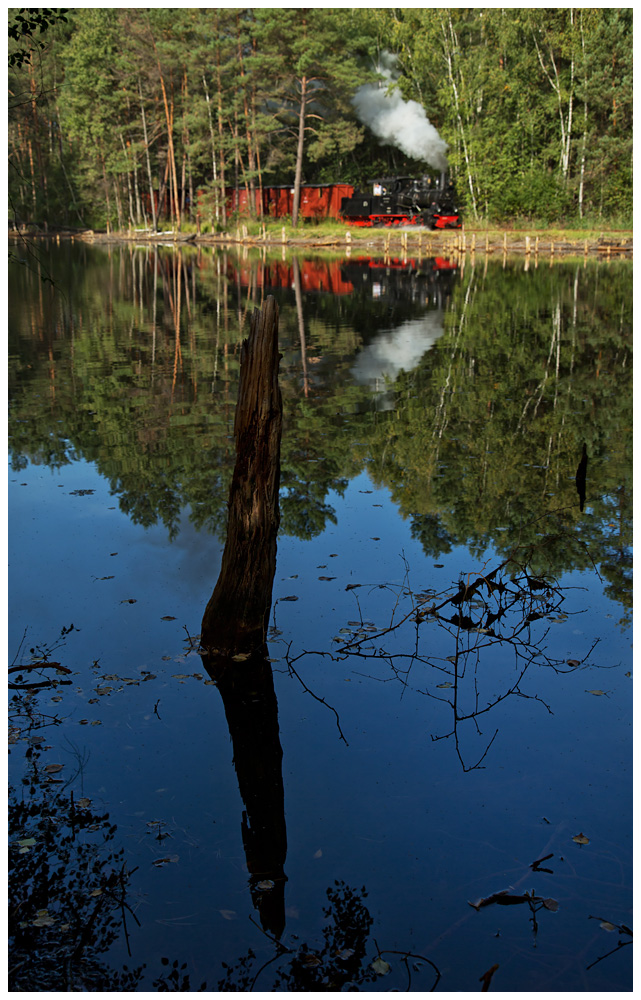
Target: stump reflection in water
{"points": [[234, 627]]}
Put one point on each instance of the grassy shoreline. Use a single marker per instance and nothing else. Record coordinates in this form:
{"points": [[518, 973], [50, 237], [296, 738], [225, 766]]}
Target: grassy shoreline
{"points": [[480, 239]]}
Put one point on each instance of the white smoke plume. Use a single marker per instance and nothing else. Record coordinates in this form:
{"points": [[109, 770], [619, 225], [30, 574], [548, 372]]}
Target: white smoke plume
{"points": [[400, 123]]}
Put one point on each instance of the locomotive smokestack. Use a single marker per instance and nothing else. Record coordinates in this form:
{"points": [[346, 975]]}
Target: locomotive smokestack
{"points": [[403, 124]]}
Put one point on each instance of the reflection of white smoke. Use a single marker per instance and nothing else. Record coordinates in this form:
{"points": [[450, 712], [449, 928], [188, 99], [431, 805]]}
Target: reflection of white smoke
{"points": [[397, 350]]}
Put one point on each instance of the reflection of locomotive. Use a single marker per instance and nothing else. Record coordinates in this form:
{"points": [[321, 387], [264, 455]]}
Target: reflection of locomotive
{"points": [[396, 201], [424, 282]]}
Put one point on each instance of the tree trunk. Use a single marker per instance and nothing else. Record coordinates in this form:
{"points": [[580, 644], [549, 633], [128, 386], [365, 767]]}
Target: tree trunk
{"points": [[213, 150], [299, 151], [169, 115], [149, 173], [221, 130], [236, 617], [449, 48]]}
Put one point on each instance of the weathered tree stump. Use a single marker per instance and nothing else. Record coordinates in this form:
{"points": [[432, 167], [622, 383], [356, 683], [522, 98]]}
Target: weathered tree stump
{"points": [[234, 627], [237, 614]]}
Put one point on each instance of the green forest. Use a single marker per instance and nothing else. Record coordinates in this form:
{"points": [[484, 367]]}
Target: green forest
{"points": [[533, 107]]}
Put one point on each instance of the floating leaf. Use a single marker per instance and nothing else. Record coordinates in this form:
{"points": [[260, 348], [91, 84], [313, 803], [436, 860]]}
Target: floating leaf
{"points": [[551, 904], [446, 684], [607, 926], [228, 914], [311, 960], [344, 954], [83, 803], [381, 967], [43, 922], [504, 897], [327, 578], [596, 691], [159, 862], [53, 768], [265, 884], [28, 842], [580, 839], [292, 597], [168, 618], [241, 657], [318, 854], [573, 663], [96, 892]]}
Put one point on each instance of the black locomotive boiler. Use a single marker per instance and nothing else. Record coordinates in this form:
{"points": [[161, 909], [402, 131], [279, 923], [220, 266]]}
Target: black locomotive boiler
{"points": [[429, 201]]}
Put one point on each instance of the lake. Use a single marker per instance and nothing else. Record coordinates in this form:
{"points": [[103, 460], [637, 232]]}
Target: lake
{"points": [[427, 785]]}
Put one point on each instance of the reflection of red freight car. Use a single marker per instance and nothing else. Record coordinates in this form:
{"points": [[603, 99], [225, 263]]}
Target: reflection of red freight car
{"points": [[343, 277], [315, 275]]}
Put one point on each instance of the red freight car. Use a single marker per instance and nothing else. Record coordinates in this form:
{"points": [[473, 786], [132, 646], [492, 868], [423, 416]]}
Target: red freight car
{"points": [[393, 201]]}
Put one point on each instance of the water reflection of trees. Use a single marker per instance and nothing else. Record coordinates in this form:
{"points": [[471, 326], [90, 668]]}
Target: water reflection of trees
{"points": [[485, 432], [340, 962], [498, 621], [67, 881]]}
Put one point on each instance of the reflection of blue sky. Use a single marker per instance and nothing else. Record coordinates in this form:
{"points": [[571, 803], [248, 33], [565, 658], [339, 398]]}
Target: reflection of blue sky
{"points": [[400, 349], [393, 810], [61, 546]]}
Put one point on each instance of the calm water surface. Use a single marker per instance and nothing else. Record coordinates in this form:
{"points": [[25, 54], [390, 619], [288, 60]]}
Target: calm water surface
{"points": [[448, 712]]}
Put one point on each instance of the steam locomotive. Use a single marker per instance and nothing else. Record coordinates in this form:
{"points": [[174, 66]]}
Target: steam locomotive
{"points": [[401, 201]]}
